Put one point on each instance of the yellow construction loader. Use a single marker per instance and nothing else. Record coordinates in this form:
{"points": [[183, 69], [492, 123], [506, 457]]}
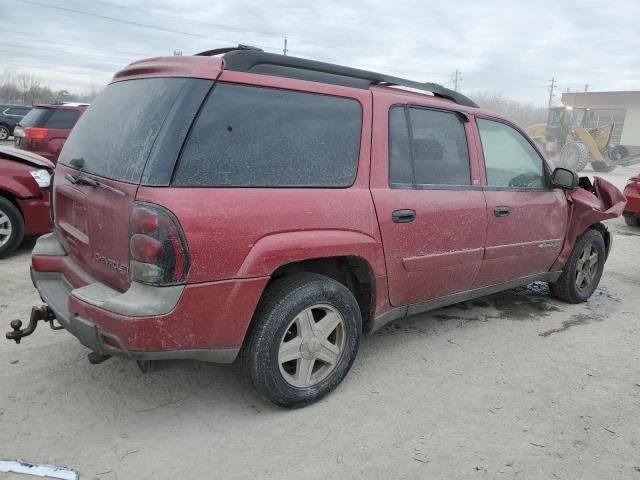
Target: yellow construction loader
{"points": [[566, 138]]}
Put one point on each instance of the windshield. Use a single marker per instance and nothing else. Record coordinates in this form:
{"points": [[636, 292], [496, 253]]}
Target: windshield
{"points": [[115, 135]]}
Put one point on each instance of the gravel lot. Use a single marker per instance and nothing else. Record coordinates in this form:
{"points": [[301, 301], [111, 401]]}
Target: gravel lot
{"points": [[517, 385]]}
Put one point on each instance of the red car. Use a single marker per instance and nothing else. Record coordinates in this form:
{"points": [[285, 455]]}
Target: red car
{"points": [[276, 208], [24, 199], [632, 209], [46, 127]]}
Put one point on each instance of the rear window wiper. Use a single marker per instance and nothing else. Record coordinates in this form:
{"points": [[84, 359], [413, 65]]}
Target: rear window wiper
{"points": [[84, 180]]}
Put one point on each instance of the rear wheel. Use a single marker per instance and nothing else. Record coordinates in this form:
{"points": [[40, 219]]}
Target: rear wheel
{"points": [[304, 341], [574, 155], [4, 132], [602, 167], [632, 221], [11, 227], [582, 272]]}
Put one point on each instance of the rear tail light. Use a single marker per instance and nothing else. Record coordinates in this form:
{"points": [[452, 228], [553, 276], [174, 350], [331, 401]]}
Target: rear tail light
{"points": [[35, 133], [158, 253]]}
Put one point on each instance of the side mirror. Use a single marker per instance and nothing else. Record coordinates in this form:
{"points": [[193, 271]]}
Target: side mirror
{"points": [[564, 178]]}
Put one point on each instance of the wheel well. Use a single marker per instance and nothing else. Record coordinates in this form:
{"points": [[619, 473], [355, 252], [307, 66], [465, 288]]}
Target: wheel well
{"points": [[353, 272], [599, 227], [12, 199]]}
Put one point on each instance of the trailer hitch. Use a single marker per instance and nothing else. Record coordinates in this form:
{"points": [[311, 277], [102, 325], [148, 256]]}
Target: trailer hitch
{"points": [[43, 312]]}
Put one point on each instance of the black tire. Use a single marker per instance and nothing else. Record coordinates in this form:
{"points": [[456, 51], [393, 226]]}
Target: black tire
{"points": [[632, 221], [10, 219], [282, 303], [602, 167], [5, 132], [565, 288], [574, 155]]}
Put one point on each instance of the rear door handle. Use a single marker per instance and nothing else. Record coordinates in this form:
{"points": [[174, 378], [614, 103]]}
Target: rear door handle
{"points": [[501, 211], [403, 216]]}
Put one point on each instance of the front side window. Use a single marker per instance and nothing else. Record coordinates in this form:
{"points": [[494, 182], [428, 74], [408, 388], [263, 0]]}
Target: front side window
{"points": [[509, 158], [265, 137], [427, 147]]}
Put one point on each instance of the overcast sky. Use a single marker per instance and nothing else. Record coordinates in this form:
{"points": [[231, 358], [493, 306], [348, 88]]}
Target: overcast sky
{"points": [[509, 47]]}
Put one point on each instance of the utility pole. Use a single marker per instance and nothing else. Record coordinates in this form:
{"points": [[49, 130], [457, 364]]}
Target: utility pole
{"points": [[457, 77], [284, 50], [551, 88]]}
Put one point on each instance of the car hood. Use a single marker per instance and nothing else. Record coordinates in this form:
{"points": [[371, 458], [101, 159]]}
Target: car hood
{"points": [[28, 158]]}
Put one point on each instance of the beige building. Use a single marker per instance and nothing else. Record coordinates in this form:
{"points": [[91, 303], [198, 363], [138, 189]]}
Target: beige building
{"points": [[620, 108]]}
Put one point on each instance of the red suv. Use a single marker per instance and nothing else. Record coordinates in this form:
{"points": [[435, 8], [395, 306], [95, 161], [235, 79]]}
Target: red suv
{"points": [[25, 179], [275, 207], [46, 127]]}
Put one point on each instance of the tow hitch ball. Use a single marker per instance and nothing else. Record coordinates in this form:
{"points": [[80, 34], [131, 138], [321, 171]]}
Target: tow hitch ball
{"points": [[43, 312]]}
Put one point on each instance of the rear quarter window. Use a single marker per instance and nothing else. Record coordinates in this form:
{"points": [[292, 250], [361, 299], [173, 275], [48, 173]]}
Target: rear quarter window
{"points": [[263, 137]]}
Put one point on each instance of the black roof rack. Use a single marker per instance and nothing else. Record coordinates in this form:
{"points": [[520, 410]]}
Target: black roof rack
{"points": [[245, 58]]}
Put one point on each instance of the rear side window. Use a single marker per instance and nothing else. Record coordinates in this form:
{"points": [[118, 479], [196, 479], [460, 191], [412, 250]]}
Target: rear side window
{"points": [[62, 118], [115, 135], [509, 158], [36, 117], [264, 137], [16, 111], [433, 141]]}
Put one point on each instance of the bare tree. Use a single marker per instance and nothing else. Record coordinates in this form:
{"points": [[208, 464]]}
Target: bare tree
{"points": [[26, 84], [524, 114]]}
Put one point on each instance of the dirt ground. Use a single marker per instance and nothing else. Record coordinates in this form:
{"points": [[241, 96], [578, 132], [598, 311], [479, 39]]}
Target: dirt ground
{"points": [[517, 385]]}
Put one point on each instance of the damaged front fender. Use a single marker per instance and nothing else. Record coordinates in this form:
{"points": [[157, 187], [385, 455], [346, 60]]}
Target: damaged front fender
{"points": [[589, 205]]}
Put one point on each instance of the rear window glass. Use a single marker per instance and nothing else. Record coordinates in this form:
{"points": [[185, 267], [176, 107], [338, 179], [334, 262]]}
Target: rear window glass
{"points": [[36, 117], [115, 135], [62, 118], [265, 137]]}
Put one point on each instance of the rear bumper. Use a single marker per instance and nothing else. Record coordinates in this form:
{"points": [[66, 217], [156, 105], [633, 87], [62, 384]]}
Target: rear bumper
{"points": [[205, 321]]}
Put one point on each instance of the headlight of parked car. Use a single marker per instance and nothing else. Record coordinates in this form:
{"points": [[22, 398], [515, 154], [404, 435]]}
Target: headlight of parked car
{"points": [[42, 177]]}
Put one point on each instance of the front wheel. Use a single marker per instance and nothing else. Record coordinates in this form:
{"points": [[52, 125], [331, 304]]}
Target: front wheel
{"points": [[575, 156], [11, 227], [582, 272], [304, 341]]}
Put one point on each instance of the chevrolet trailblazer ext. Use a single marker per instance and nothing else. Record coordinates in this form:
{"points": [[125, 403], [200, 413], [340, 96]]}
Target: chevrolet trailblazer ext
{"points": [[271, 208]]}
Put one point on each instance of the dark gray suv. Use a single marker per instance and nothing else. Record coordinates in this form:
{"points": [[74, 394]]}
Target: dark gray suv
{"points": [[10, 115]]}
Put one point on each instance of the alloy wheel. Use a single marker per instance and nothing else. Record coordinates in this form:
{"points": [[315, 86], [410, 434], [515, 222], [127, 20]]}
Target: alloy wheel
{"points": [[4, 133], [5, 228], [586, 268], [312, 345]]}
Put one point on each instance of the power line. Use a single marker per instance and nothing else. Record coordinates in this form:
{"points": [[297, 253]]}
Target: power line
{"points": [[52, 42], [176, 17], [128, 22]]}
